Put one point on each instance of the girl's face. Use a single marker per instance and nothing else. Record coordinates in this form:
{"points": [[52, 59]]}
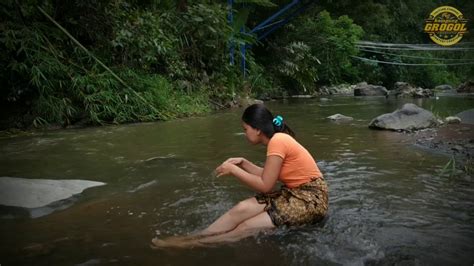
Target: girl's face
{"points": [[252, 134]]}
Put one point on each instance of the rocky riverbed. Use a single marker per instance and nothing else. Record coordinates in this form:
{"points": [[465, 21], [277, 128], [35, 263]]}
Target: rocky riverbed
{"points": [[453, 137], [454, 140]]}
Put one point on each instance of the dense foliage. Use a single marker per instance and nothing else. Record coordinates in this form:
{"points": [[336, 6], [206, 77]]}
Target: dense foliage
{"points": [[159, 59], [322, 54]]}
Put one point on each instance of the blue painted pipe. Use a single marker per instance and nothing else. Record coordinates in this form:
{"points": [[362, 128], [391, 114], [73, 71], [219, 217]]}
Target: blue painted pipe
{"points": [[290, 5], [230, 19], [281, 23]]}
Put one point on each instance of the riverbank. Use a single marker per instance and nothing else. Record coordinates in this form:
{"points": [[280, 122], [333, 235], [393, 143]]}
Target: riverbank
{"points": [[453, 140], [161, 100]]}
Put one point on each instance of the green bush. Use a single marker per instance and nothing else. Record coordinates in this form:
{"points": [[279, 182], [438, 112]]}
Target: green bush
{"points": [[333, 42], [141, 40], [317, 50], [300, 67]]}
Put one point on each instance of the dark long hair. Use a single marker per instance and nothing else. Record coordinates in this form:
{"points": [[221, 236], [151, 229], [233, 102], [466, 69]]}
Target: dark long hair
{"points": [[259, 117]]}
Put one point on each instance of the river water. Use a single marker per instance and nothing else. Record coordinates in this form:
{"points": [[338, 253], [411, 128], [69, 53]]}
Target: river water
{"points": [[390, 203]]}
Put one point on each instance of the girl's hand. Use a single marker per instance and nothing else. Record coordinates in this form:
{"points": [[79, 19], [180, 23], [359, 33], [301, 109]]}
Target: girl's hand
{"points": [[224, 169], [235, 161]]}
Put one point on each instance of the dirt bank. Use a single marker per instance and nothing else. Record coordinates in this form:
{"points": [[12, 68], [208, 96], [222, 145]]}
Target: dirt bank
{"points": [[453, 140]]}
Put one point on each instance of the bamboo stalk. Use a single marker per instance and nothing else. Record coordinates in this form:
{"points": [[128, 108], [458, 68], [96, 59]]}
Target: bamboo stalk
{"points": [[98, 61]]}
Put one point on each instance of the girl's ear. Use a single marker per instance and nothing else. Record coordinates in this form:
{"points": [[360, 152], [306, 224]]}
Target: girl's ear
{"points": [[258, 132]]}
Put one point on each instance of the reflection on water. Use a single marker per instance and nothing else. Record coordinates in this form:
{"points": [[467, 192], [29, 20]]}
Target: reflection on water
{"points": [[389, 202]]}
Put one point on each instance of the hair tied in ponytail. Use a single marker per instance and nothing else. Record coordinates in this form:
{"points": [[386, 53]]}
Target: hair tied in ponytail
{"points": [[278, 121]]}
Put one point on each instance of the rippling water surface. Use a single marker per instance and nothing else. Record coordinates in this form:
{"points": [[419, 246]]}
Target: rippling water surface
{"points": [[389, 202]]}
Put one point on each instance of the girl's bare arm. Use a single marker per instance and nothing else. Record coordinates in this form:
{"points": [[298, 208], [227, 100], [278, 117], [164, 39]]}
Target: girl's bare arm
{"points": [[251, 168]]}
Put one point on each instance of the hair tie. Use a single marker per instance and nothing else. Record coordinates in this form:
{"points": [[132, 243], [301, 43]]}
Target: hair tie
{"points": [[278, 121]]}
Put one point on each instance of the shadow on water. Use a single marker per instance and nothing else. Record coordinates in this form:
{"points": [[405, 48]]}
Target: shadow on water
{"points": [[389, 202]]}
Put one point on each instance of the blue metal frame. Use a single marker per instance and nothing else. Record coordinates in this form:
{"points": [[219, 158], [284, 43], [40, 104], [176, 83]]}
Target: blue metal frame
{"points": [[277, 14], [230, 18], [281, 23], [264, 25], [243, 52]]}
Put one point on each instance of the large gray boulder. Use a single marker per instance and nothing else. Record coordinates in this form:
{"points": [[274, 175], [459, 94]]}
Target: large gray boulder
{"points": [[467, 117], [409, 117], [35, 193], [364, 89]]}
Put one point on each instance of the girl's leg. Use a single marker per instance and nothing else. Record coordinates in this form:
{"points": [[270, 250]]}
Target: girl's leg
{"points": [[242, 211], [246, 228]]}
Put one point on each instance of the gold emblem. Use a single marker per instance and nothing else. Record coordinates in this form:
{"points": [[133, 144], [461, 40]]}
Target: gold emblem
{"points": [[446, 25]]}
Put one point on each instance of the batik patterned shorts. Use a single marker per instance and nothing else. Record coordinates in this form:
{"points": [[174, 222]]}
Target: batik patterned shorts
{"points": [[305, 204]]}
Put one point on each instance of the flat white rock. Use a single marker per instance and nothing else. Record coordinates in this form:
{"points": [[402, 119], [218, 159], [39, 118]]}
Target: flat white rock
{"points": [[35, 193]]}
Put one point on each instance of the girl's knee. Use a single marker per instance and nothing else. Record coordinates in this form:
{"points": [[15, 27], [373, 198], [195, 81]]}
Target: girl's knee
{"points": [[242, 207]]}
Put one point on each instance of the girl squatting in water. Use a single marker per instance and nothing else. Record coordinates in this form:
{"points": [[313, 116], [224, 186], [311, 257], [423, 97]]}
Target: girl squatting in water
{"points": [[302, 199]]}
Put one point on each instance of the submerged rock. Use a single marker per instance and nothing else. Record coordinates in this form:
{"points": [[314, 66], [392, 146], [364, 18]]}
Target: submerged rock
{"points": [[143, 186], [35, 193], [409, 117], [339, 118]]}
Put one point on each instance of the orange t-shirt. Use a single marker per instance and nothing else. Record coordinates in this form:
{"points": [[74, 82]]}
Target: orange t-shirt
{"points": [[298, 165]]}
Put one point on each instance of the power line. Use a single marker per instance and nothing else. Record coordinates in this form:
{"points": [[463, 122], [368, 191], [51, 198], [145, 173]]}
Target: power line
{"points": [[414, 56], [415, 48], [410, 64], [409, 45]]}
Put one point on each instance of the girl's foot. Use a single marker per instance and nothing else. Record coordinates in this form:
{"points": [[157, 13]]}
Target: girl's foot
{"points": [[173, 243]]}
